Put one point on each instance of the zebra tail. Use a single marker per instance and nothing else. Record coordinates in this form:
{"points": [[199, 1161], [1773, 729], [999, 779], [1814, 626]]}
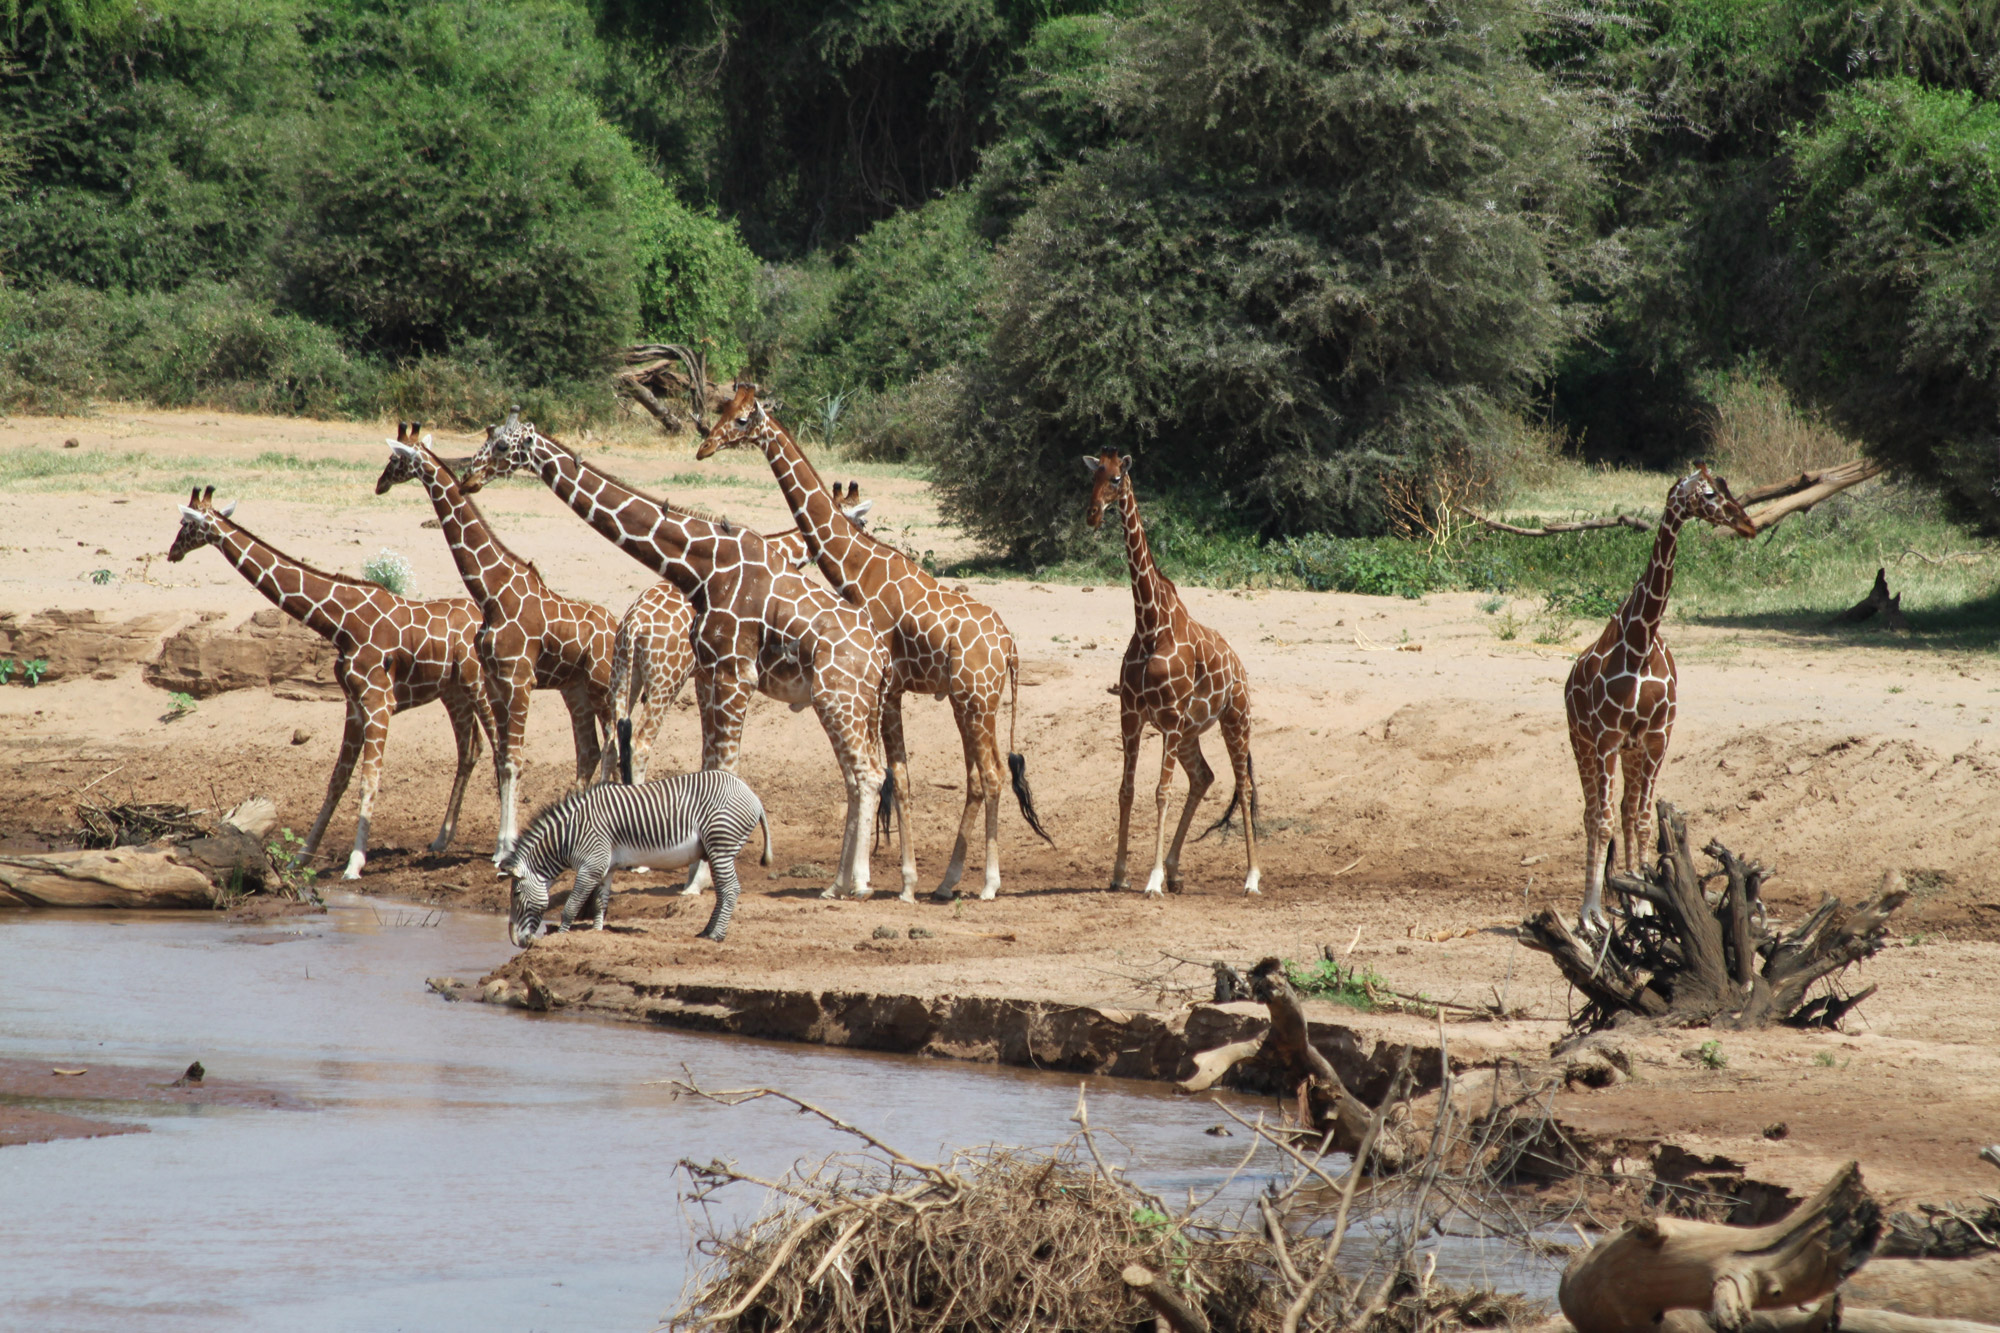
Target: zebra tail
{"points": [[764, 820], [625, 750], [1236, 798]]}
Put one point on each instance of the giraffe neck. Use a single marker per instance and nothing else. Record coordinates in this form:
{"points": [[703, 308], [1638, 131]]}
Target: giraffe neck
{"points": [[484, 562], [843, 554], [1648, 600], [666, 541], [1153, 596], [300, 591]]}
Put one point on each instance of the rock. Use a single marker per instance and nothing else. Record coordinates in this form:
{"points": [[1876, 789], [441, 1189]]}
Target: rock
{"points": [[72, 443], [123, 877], [82, 643], [885, 933], [256, 816], [1933, 1288], [919, 933], [269, 650], [300, 735]]}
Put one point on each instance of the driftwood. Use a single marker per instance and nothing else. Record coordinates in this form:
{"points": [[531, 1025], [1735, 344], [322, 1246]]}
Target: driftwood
{"points": [[653, 378], [1166, 1302], [1694, 959], [1791, 496], [1930, 1288], [1802, 492], [124, 877], [1624, 1282], [1878, 599]]}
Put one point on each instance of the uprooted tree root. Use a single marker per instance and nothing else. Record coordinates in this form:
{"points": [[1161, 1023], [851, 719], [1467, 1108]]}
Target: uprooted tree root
{"points": [[1719, 958], [1002, 1239]]}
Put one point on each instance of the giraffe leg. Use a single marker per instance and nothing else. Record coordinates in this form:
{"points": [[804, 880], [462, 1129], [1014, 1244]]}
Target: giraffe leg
{"points": [[1200, 778], [1642, 775], [986, 730], [974, 797], [1236, 739], [1156, 882], [723, 694], [343, 769], [465, 729], [899, 772], [1132, 728], [509, 684], [662, 687], [589, 718], [1595, 768], [856, 746], [374, 740]]}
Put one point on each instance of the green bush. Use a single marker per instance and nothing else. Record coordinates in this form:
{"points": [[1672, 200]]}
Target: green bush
{"points": [[1331, 247], [696, 277]]}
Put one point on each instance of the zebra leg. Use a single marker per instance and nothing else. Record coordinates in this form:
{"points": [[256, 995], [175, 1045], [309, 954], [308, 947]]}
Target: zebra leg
{"points": [[603, 897], [722, 862], [723, 694]]}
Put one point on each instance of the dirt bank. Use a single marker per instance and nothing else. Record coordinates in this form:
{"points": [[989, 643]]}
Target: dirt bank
{"points": [[1418, 798]]}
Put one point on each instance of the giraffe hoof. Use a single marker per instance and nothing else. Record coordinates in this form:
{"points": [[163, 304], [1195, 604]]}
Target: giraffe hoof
{"points": [[1119, 885], [907, 896], [830, 891]]}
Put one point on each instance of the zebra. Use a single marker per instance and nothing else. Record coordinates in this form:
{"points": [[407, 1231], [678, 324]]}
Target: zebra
{"points": [[675, 821]]}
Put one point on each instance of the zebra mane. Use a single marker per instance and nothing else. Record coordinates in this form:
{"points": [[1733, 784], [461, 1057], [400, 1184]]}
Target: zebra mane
{"points": [[538, 822]]}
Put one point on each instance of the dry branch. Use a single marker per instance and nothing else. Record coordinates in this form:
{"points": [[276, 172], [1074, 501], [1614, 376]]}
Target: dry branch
{"points": [[1802, 492], [1622, 1284], [1697, 960], [1585, 525]]}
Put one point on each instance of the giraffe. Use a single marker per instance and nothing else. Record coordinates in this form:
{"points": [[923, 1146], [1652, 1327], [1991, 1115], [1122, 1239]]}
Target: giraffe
{"points": [[758, 623], [1181, 678], [654, 655], [391, 653], [941, 642], [530, 637], [1620, 698]]}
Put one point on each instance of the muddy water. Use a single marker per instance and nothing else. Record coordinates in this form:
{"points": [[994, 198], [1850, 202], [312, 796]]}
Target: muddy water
{"points": [[460, 1167]]}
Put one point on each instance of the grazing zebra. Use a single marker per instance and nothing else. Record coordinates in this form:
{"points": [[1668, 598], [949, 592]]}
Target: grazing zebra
{"points": [[676, 821]]}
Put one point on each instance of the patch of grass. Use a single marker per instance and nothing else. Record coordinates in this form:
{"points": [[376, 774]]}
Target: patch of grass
{"points": [[1325, 979], [1824, 1059], [179, 705], [1710, 1054], [1492, 605]]}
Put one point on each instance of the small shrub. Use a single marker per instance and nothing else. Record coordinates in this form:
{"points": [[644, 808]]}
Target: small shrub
{"points": [[390, 569], [179, 705], [1325, 979], [7, 665], [1492, 605], [288, 858], [1710, 1054], [34, 669], [100, 577]]}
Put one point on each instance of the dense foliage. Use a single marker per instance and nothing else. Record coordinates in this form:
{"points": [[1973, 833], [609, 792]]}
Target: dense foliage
{"points": [[1294, 256]]}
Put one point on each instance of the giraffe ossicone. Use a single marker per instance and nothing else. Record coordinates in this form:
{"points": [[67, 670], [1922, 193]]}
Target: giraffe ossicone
{"points": [[1622, 695]]}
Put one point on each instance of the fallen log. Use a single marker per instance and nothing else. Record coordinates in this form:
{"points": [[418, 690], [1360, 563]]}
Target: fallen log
{"points": [[1159, 1293], [1550, 530], [1930, 1288], [1692, 960], [1889, 1321], [1624, 1282], [122, 877]]}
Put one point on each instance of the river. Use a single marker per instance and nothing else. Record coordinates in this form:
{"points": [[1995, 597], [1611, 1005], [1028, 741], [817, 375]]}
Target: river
{"points": [[460, 1166]]}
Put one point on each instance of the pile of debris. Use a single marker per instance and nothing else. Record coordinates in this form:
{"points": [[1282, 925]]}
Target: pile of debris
{"points": [[151, 855]]}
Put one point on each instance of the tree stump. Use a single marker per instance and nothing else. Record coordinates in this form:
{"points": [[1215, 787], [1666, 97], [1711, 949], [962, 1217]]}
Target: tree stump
{"points": [[1878, 599], [1721, 960]]}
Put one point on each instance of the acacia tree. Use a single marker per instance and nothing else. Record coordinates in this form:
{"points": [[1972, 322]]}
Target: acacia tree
{"points": [[1331, 243]]}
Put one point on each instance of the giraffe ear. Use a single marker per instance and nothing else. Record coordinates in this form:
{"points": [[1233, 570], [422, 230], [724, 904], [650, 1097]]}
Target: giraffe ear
{"points": [[1089, 464], [399, 449], [227, 509], [426, 441], [858, 514], [193, 515]]}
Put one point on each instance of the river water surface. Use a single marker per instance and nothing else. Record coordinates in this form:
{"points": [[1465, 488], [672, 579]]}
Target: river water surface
{"points": [[461, 1166]]}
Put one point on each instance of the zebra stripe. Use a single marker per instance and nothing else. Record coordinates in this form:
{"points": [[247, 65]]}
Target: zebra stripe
{"points": [[675, 821]]}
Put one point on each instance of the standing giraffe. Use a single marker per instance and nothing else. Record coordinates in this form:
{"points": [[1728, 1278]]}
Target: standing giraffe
{"points": [[530, 637], [1181, 678], [941, 642], [1620, 695], [653, 655], [757, 622], [391, 653]]}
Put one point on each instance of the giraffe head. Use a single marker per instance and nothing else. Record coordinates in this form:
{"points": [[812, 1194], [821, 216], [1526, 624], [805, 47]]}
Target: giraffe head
{"points": [[402, 464], [1701, 494], [1108, 475], [744, 424], [509, 448], [851, 503], [200, 523]]}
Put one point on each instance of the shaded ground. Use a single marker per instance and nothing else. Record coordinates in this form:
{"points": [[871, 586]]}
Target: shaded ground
{"points": [[1416, 784]]}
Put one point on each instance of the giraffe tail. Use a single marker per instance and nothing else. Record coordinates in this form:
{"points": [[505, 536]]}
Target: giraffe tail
{"points": [[625, 750], [1017, 763], [1236, 797]]}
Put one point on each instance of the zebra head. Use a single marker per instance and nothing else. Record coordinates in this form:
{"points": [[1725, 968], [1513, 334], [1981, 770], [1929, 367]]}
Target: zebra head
{"points": [[526, 901]]}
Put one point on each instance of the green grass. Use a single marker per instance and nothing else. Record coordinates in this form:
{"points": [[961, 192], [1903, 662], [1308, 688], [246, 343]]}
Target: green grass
{"points": [[1324, 979], [272, 475]]}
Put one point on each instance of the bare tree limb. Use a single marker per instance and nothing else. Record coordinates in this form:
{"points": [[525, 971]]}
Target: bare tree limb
{"points": [[1806, 490], [1166, 1302], [1585, 525]]}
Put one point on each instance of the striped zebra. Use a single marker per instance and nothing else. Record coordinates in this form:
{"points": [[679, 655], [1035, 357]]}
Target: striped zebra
{"points": [[676, 821]]}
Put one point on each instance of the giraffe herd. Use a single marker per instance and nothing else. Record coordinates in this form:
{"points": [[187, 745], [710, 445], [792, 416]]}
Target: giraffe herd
{"points": [[740, 610]]}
